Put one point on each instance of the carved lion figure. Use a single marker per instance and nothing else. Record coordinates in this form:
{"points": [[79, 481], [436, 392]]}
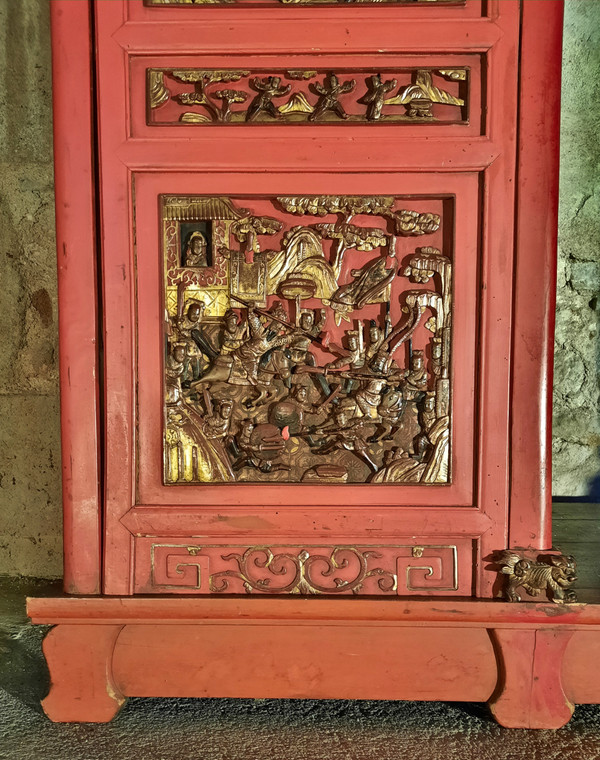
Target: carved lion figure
{"points": [[553, 576]]}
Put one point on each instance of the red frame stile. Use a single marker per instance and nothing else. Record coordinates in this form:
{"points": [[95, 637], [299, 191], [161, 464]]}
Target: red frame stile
{"points": [[74, 183], [535, 282]]}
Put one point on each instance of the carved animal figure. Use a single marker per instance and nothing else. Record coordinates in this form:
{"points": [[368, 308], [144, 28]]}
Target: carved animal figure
{"points": [[554, 577]]}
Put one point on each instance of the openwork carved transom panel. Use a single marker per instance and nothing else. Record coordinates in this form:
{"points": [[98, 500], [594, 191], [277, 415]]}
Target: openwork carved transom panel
{"points": [[399, 569], [229, 97], [303, 2], [307, 339]]}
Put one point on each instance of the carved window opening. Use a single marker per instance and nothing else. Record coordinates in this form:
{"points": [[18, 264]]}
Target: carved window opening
{"points": [[307, 339]]}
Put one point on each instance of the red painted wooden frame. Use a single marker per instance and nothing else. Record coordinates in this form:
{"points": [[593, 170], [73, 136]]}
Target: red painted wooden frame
{"points": [[462, 191], [122, 156], [293, 155], [475, 126], [535, 275], [74, 182], [531, 662]]}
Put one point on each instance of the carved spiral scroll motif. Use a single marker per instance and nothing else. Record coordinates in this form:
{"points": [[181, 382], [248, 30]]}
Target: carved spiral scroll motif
{"points": [[329, 570], [302, 573]]}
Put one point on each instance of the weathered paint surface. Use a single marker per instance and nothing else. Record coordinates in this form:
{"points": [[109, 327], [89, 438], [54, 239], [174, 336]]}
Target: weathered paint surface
{"points": [[30, 522]]}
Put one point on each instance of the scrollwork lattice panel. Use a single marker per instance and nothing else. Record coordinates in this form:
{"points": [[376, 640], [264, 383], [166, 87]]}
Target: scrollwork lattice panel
{"points": [[410, 569]]}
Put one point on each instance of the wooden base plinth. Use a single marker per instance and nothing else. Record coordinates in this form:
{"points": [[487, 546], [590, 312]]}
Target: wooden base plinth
{"points": [[530, 662]]}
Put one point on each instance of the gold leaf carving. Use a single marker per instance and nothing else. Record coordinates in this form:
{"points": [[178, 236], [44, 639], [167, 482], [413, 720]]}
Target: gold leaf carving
{"points": [[455, 74], [300, 74], [189, 117], [259, 388], [305, 569], [297, 104], [422, 94], [331, 98], [157, 91], [303, 573]]}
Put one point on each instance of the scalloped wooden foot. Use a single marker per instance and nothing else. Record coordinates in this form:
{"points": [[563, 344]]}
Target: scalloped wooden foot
{"points": [[530, 693], [79, 658]]}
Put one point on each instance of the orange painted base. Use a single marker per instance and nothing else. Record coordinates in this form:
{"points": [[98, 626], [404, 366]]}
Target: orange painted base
{"points": [[525, 660]]}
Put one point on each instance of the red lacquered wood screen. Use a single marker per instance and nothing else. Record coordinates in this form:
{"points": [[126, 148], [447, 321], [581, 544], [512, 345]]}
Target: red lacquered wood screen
{"points": [[352, 162]]}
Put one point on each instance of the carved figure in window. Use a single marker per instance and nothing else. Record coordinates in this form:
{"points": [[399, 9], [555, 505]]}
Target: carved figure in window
{"points": [[195, 253]]}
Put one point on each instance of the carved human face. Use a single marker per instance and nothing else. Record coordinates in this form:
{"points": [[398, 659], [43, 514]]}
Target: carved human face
{"points": [[226, 410], [378, 363], [301, 393], [179, 353], [342, 417], [352, 342], [374, 334], [306, 321], [198, 246], [231, 322], [195, 312]]}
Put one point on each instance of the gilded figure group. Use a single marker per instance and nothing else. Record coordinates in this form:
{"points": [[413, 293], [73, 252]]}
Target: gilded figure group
{"points": [[274, 390]]}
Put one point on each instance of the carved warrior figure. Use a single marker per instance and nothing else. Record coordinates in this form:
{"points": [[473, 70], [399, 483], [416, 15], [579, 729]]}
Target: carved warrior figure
{"points": [[554, 576], [376, 95], [329, 92], [173, 372], [268, 88], [217, 425], [259, 446], [376, 337], [233, 333], [186, 329], [241, 366], [351, 433]]}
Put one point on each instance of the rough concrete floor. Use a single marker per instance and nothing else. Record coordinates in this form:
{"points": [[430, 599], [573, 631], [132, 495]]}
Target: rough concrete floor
{"points": [[228, 729]]}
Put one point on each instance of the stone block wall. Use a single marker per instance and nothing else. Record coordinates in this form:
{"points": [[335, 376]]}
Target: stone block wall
{"points": [[576, 425], [30, 513], [30, 487]]}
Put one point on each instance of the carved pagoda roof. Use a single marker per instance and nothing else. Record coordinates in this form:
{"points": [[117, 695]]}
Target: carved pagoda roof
{"points": [[198, 209]]}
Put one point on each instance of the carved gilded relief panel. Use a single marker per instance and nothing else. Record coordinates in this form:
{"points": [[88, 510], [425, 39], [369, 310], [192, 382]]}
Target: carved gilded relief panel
{"points": [[302, 2], [408, 95], [307, 339]]}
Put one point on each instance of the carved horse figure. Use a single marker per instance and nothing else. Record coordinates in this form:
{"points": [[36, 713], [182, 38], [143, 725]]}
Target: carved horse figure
{"points": [[274, 366]]}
